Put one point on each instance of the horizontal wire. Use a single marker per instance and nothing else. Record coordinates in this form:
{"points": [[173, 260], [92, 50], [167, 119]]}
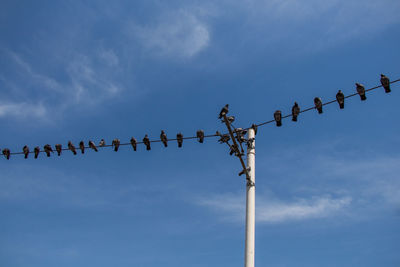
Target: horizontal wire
{"points": [[214, 135], [122, 144], [324, 104]]}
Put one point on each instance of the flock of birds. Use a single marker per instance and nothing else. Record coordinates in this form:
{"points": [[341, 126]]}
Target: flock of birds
{"points": [[340, 97], [224, 138]]}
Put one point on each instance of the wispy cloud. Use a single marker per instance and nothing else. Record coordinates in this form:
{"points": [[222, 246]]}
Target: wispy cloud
{"points": [[91, 79], [270, 210], [23, 110], [180, 33]]}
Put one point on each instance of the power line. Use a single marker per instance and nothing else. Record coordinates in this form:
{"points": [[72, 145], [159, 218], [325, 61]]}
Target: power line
{"points": [[210, 135], [124, 144], [323, 104]]}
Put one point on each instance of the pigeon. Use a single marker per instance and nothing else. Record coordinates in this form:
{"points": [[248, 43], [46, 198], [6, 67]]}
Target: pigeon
{"points": [[25, 149], [82, 147], [179, 138], [58, 149], [163, 138], [318, 104], [224, 138], [200, 136], [234, 150], [254, 127], [278, 118], [115, 144], [224, 111], [231, 119], [92, 146], [37, 151], [6, 153], [71, 147], [361, 91], [340, 99], [146, 141], [295, 111], [133, 143], [102, 143], [48, 149], [240, 133], [385, 83]]}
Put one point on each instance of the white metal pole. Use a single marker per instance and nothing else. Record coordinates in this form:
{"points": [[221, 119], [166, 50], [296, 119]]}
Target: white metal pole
{"points": [[250, 202]]}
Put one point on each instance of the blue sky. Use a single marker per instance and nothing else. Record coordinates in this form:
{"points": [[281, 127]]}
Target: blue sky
{"points": [[327, 186]]}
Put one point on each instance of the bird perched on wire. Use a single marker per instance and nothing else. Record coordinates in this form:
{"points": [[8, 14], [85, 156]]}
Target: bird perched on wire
{"points": [[224, 138], [36, 150], [295, 111], [133, 143], [71, 147], [82, 147], [48, 149], [179, 138], [318, 104], [58, 149], [115, 144], [361, 91], [92, 146], [200, 136], [6, 153], [340, 99], [25, 149], [234, 150], [240, 133], [102, 143], [230, 119], [146, 141], [278, 118], [224, 111], [163, 138], [385, 83]]}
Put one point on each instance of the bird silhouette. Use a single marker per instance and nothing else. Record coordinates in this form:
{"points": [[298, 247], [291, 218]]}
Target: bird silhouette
{"points": [[163, 138], [385, 83], [58, 149], [133, 143], [318, 104], [92, 146], [278, 118], [25, 149], [146, 141], [6, 153], [361, 91], [48, 149], [179, 138], [115, 144], [37, 151], [224, 111], [102, 143], [200, 136], [71, 147], [295, 111], [340, 99]]}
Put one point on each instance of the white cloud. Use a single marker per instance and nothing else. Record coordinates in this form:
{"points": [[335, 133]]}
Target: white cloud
{"points": [[269, 210], [22, 110], [90, 79], [179, 34]]}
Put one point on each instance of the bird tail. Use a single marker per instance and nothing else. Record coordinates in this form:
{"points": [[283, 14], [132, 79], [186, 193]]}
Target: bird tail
{"points": [[294, 118], [320, 110], [363, 97], [387, 89], [279, 123], [341, 105]]}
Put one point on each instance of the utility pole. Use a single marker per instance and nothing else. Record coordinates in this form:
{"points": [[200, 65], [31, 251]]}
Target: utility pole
{"points": [[250, 201]]}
